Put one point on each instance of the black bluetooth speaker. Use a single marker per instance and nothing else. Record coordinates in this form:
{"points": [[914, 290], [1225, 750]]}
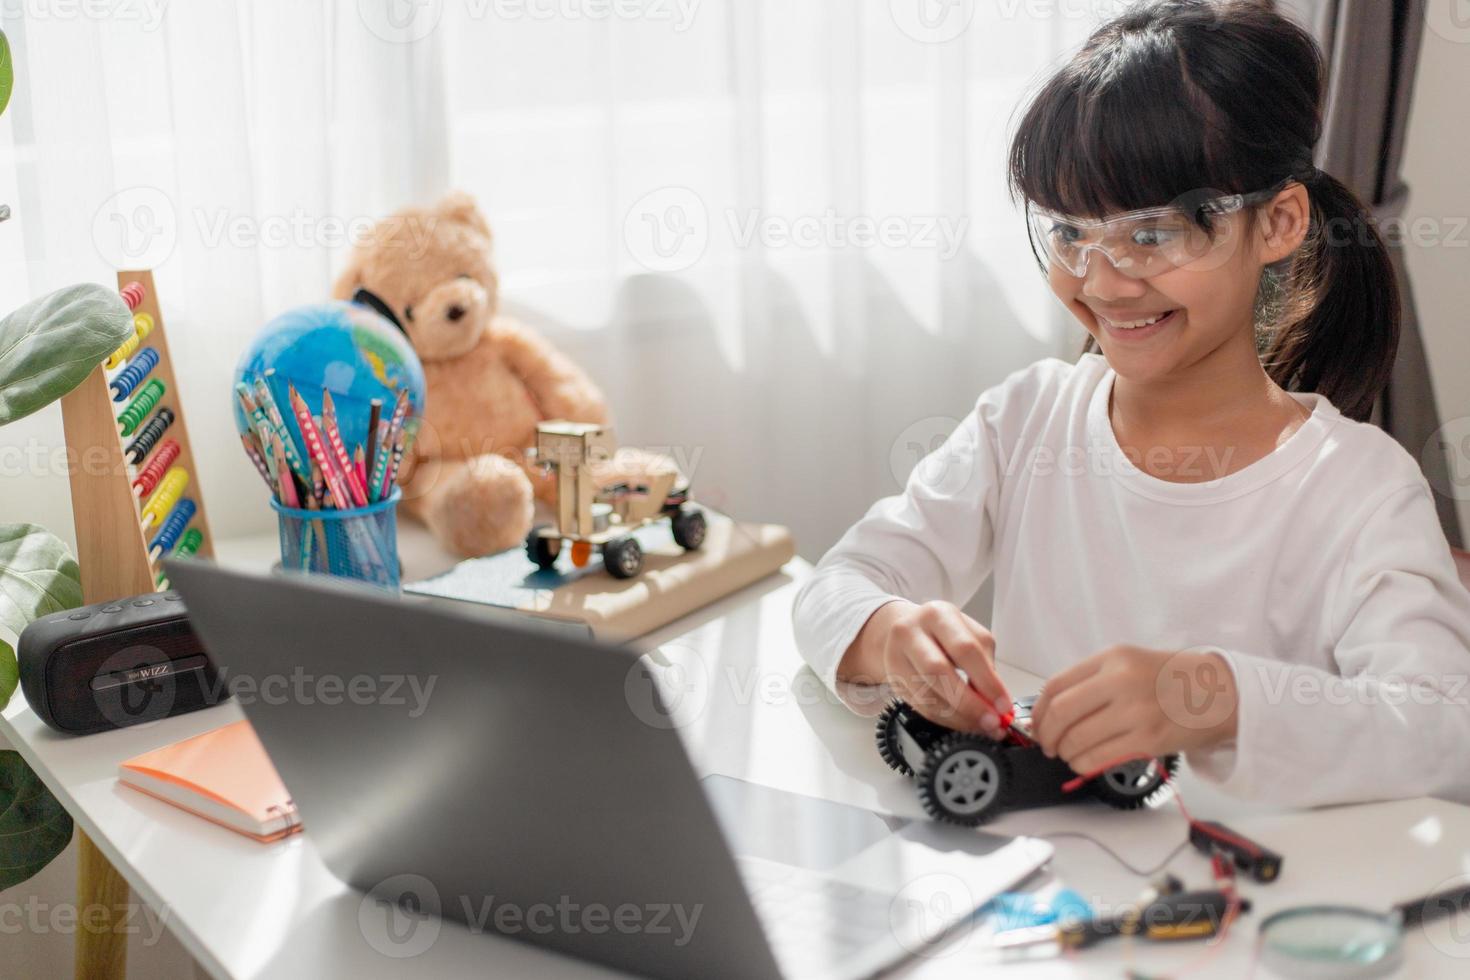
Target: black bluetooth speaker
{"points": [[115, 664]]}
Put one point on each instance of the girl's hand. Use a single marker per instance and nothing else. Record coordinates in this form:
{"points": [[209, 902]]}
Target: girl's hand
{"points": [[928, 651], [1127, 701]]}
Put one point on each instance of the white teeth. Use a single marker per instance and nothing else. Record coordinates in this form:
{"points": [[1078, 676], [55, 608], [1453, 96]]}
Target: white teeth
{"points": [[1135, 324]]}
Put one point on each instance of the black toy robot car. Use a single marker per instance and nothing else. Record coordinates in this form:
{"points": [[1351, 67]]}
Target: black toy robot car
{"points": [[966, 778]]}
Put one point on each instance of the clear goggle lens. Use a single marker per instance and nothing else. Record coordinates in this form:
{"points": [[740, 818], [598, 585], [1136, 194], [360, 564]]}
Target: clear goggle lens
{"points": [[1138, 243]]}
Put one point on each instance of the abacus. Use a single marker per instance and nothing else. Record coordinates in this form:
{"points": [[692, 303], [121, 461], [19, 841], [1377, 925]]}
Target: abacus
{"points": [[128, 450], [133, 494]]}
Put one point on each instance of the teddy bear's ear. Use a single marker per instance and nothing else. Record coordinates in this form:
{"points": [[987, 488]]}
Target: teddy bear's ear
{"points": [[461, 207]]}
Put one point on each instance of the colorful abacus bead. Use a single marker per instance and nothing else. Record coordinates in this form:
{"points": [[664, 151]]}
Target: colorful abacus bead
{"points": [[142, 324], [192, 539], [132, 294], [170, 489], [140, 447], [131, 376], [141, 405], [123, 352], [173, 527], [147, 480]]}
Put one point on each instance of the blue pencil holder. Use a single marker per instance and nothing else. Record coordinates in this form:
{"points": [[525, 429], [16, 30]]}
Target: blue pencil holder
{"points": [[361, 543]]}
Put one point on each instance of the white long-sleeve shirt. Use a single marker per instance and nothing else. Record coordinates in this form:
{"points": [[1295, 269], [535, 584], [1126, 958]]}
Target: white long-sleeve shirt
{"points": [[1320, 572]]}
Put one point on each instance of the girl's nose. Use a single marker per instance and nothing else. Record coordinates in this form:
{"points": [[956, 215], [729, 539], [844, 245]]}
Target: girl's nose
{"points": [[1103, 281]]}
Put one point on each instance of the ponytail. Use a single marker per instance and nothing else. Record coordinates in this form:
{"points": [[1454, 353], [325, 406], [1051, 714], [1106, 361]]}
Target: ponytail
{"points": [[1338, 328]]}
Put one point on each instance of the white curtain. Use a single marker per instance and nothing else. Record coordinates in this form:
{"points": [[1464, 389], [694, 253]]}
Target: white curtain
{"points": [[776, 232]]}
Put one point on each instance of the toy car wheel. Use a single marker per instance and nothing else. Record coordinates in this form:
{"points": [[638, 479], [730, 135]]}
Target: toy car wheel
{"points": [[963, 779], [689, 528], [1133, 784], [541, 550], [623, 557], [888, 744]]}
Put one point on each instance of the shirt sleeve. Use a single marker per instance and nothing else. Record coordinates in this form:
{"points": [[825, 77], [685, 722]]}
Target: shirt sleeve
{"points": [[932, 541], [1394, 720]]}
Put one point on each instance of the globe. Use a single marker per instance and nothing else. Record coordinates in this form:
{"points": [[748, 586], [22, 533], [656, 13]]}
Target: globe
{"points": [[345, 348]]}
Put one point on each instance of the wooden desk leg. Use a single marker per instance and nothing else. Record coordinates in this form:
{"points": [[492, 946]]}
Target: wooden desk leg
{"points": [[102, 893]]}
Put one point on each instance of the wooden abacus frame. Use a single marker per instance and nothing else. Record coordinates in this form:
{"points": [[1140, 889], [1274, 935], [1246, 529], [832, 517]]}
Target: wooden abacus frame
{"points": [[111, 546], [112, 551]]}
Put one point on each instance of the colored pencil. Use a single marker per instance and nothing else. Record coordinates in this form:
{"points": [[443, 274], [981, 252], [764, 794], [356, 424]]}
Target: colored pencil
{"points": [[318, 451], [375, 415], [393, 467], [253, 452], [339, 451], [272, 411], [283, 473]]}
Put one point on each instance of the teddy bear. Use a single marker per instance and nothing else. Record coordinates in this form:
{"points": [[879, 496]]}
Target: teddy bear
{"points": [[470, 475]]}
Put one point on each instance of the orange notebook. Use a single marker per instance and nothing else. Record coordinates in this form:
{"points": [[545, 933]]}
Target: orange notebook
{"points": [[223, 776]]}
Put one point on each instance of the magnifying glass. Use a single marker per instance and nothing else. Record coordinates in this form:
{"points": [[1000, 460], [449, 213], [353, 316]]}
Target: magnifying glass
{"points": [[1346, 941]]}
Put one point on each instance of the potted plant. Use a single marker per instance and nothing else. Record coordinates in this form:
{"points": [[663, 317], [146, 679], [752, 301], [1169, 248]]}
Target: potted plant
{"points": [[47, 347]]}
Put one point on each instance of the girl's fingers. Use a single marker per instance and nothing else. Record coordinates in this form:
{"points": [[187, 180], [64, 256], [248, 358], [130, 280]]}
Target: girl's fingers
{"points": [[1087, 734], [943, 696], [994, 687], [969, 649], [1065, 709], [1058, 683], [1114, 751]]}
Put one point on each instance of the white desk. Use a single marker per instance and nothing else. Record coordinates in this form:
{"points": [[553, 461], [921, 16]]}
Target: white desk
{"points": [[747, 708]]}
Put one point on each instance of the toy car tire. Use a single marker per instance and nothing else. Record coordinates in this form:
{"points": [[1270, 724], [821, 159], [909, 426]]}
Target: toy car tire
{"points": [[964, 779], [689, 528], [623, 557], [888, 744], [1133, 784], [541, 550]]}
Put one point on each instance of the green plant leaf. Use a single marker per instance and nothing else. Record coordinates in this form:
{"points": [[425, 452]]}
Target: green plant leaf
{"points": [[34, 827], [38, 576], [49, 345], [7, 72]]}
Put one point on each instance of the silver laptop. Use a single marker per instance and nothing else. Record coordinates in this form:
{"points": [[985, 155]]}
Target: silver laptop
{"points": [[502, 766]]}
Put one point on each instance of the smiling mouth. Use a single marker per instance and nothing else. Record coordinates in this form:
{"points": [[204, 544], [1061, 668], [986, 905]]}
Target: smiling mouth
{"points": [[1133, 324]]}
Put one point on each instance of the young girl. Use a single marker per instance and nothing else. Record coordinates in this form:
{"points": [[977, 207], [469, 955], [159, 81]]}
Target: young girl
{"points": [[1195, 534]]}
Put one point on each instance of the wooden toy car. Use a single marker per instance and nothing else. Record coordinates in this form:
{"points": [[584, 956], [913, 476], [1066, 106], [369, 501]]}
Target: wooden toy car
{"points": [[967, 778], [594, 519]]}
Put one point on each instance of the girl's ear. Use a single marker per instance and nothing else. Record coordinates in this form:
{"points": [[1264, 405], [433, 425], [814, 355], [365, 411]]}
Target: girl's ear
{"points": [[1284, 221]]}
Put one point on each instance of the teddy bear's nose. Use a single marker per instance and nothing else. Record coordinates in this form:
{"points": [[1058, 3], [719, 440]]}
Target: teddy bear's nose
{"points": [[455, 312]]}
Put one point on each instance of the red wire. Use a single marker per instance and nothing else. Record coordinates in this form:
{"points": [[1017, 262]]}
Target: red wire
{"points": [[1222, 870]]}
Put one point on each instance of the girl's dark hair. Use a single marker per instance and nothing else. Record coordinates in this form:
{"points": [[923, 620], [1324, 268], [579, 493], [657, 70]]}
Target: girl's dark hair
{"points": [[1181, 99]]}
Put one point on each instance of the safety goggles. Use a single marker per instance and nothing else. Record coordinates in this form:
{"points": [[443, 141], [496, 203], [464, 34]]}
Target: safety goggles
{"points": [[1138, 243]]}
